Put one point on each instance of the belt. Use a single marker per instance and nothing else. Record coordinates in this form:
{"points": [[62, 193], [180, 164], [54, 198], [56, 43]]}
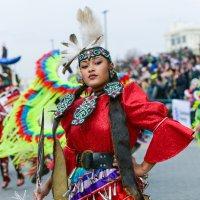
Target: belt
{"points": [[95, 160]]}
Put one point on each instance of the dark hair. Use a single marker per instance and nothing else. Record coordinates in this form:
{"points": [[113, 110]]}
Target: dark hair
{"points": [[121, 145], [80, 91]]}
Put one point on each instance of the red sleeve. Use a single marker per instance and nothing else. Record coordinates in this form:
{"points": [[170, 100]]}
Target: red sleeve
{"points": [[169, 136], [168, 140]]}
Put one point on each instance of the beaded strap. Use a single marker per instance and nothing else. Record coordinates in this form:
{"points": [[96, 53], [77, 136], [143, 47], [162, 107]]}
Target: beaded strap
{"points": [[64, 103]]}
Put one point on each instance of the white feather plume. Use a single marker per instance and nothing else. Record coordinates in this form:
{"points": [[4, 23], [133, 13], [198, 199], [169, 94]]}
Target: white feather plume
{"points": [[90, 27], [91, 35]]}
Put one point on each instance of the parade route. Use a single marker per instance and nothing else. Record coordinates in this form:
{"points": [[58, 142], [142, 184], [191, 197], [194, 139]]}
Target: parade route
{"points": [[176, 179]]}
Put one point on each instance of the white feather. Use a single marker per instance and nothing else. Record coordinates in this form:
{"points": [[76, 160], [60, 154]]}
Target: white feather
{"points": [[90, 26], [91, 35]]}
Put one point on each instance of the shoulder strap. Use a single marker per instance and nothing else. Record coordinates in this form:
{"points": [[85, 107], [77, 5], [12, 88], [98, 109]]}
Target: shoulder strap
{"points": [[64, 104]]}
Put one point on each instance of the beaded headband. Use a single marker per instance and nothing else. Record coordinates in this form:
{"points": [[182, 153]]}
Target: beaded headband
{"points": [[93, 52]]}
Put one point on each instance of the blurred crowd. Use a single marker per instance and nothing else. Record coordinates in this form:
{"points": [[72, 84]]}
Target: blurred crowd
{"points": [[165, 76]]}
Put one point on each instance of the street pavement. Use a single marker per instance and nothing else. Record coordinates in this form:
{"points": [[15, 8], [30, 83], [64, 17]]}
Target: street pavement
{"points": [[176, 179]]}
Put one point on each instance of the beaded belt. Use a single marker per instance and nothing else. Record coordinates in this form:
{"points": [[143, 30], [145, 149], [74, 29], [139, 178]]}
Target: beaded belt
{"points": [[95, 160]]}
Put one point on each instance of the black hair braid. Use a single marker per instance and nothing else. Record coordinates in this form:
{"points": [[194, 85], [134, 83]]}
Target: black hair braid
{"points": [[121, 143], [80, 90], [77, 93]]}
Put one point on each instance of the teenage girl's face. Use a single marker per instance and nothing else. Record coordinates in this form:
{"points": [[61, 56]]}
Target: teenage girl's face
{"points": [[95, 72]]}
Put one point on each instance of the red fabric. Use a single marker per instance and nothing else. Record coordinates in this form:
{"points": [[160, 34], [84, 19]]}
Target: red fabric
{"points": [[2, 116], [95, 134], [169, 139], [70, 158]]}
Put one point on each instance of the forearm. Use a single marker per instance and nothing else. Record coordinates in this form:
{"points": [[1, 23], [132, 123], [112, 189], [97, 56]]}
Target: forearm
{"points": [[43, 190], [143, 168], [146, 166]]}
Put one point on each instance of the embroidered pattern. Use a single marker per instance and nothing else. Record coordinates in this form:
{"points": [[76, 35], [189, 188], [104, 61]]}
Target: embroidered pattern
{"points": [[113, 89], [84, 110], [87, 183], [64, 103], [93, 52]]}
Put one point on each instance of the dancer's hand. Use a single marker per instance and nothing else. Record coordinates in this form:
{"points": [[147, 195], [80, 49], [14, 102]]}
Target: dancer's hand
{"points": [[141, 169], [38, 194], [41, 192], [138, 168], [44, 190]]}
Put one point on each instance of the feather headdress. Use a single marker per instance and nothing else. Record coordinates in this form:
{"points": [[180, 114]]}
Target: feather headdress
{"points": [[91, 36]]}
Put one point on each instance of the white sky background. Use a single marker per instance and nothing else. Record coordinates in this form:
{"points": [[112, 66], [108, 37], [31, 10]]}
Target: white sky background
{"points": [[27, 26]]}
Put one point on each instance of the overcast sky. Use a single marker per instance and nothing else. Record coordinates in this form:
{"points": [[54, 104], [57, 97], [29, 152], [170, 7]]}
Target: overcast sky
{"points": [[27, 26]]}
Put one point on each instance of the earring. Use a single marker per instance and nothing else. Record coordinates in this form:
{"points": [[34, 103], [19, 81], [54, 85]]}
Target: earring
{"points": [[112, 73]]}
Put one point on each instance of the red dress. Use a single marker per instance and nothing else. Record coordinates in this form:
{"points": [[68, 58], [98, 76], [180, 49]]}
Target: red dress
{"points": [[169, 136]]}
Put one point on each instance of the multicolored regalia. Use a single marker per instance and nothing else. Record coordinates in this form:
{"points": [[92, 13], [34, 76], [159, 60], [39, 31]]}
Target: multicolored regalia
{"points": [[102, 128], [94, 136]]}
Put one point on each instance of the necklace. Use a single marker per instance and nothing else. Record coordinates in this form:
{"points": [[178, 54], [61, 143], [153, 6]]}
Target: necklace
{"points": [[112, 89]]}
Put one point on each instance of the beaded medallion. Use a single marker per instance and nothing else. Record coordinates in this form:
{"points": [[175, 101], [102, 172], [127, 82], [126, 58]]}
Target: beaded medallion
{"points": [[113, 89], [84, 110]]}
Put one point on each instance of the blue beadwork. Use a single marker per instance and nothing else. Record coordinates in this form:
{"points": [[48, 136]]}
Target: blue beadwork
{"points": [[84, 110], [113, 89], [64, 103], [93, 52]]}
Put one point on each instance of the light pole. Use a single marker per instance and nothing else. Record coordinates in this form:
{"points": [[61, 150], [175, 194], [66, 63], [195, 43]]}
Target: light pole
{"points": [[52, 43], [199, 44], [105, 27]]}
